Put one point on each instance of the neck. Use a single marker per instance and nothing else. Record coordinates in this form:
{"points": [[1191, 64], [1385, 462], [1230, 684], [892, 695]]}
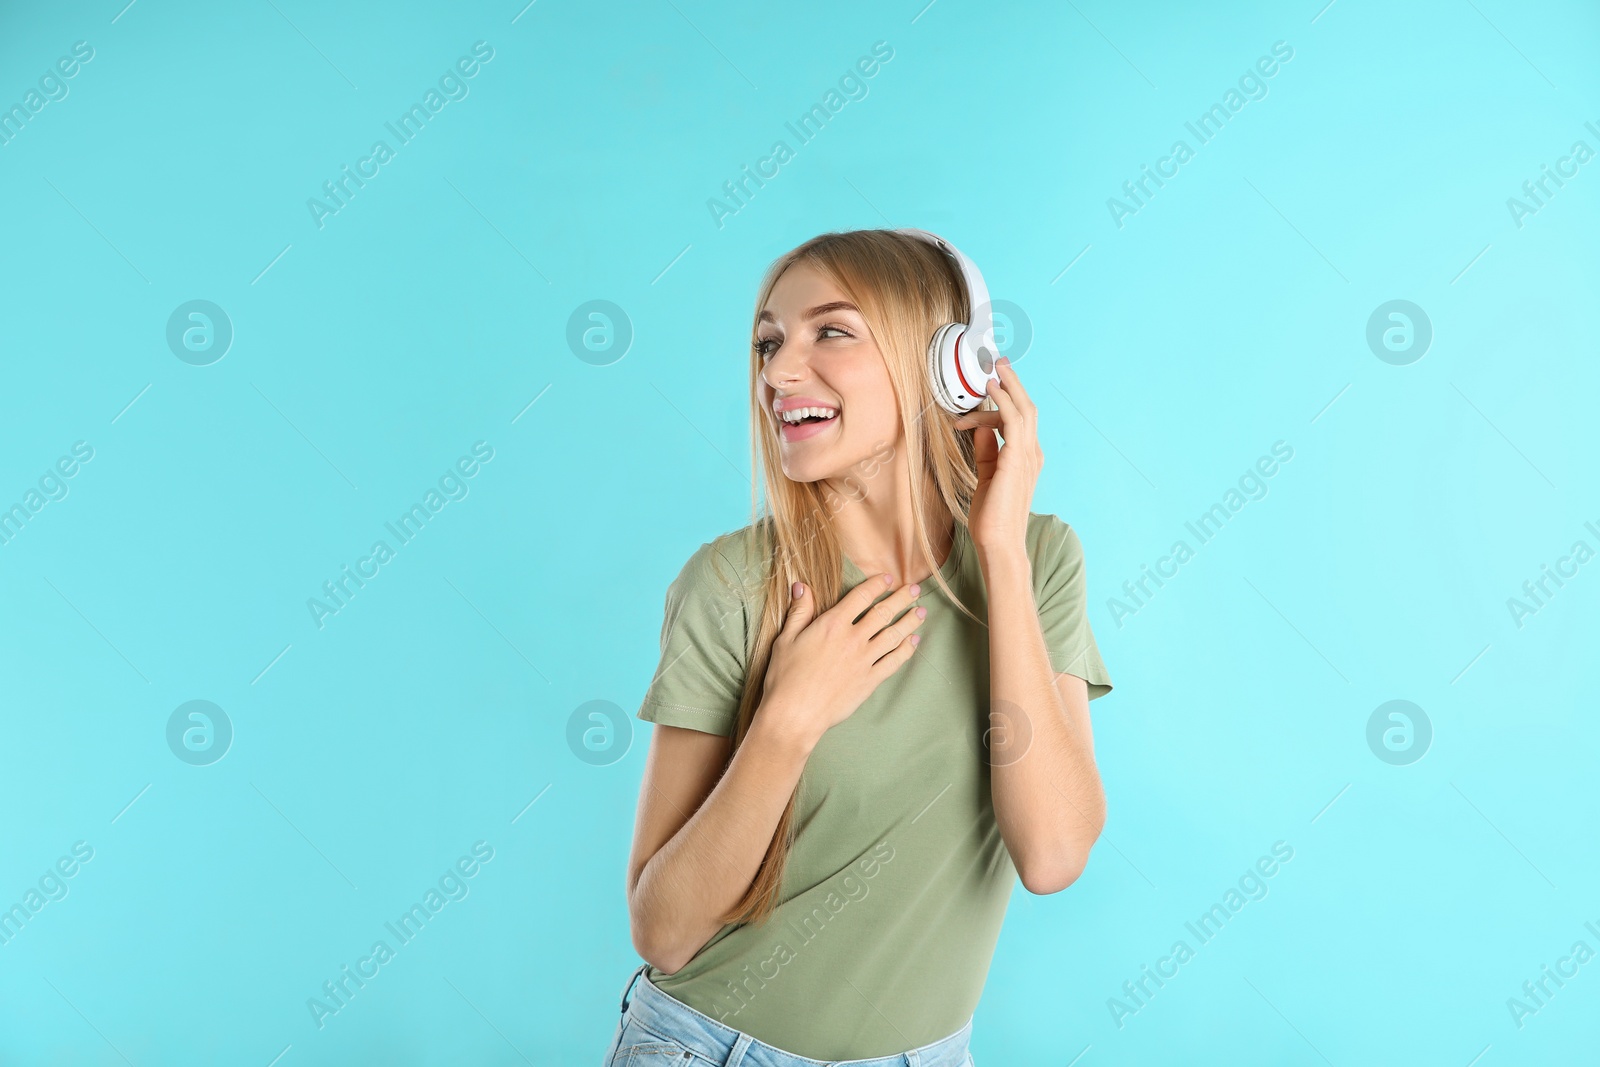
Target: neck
{"points": [[875, 525]]}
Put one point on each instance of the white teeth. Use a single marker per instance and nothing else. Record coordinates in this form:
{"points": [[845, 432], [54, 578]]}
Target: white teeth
{"points": [[796, 414]]}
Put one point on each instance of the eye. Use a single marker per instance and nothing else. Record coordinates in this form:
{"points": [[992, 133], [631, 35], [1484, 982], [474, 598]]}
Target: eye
{"points": [[760, 344]]}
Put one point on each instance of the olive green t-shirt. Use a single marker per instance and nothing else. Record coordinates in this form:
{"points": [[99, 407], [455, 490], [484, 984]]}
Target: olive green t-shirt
{"points": [[898, 880]]}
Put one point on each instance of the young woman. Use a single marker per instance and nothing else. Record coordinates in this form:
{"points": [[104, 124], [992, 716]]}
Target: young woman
{"points": [[872, 705]]}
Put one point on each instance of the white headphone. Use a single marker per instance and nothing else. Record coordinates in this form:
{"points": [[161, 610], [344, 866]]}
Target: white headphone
{"points": [[961, 355]]}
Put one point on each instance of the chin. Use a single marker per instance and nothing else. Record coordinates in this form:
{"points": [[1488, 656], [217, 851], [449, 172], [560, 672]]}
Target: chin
{"points": [[802, 473]]}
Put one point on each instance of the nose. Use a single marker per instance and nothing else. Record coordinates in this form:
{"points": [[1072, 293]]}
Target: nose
{"points": [[785, 366]]}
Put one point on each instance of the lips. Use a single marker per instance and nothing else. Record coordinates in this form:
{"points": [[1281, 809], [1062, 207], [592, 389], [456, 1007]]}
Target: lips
{"points": [[800, 431], [820, 415]]}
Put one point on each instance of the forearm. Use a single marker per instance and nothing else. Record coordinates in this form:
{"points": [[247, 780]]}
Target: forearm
{"points": [[709, 864], [1047, 795]]}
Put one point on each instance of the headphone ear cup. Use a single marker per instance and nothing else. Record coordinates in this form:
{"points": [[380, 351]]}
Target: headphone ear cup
{"points": [[941, 366], [945, 372]]}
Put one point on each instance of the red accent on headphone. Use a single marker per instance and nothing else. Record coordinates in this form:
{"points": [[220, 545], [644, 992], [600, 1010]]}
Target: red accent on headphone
{"points": [[963, 377]]}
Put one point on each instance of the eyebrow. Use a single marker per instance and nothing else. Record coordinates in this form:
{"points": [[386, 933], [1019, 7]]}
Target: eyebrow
{"points": [[819, 310]]}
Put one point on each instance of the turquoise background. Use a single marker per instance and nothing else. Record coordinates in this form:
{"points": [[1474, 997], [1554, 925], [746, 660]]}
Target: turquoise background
{"points": [[432, 712]]}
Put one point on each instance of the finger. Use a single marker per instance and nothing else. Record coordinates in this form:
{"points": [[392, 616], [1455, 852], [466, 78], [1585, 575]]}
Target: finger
{"points": [[801, 608], [892, 635], [894, 659], [1030, 412], [1020, 425], [1014, 386], [985, 453], [1010, 413], [884, 611], [854, 603]]}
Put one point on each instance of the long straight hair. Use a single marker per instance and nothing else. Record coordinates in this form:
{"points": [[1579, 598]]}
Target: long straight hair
{"points": [[905, 289]]}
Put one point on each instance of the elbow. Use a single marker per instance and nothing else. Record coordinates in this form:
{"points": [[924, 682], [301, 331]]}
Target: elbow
{"points": [[663, 958], [1067, 863], [665, 962], [1041, 881], [652, 946], [662, 939]]}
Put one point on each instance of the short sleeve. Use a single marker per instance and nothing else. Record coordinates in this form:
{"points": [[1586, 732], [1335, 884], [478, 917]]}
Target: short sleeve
{"points": [[700, 677], [1061, 593]]}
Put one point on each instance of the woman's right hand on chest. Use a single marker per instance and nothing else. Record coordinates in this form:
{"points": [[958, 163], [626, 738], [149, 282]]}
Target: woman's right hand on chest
{"points": [[822, 667]]}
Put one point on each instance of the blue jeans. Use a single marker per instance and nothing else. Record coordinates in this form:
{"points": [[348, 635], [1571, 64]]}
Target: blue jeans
{"points": [[658, 1030]]}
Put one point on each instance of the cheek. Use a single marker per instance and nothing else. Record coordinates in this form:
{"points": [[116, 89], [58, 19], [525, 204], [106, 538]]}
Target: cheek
{"points": [[870, 402], [876, 417]]}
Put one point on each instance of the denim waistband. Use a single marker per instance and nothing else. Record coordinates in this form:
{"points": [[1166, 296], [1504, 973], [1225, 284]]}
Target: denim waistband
{"points": [[658, 1011]]}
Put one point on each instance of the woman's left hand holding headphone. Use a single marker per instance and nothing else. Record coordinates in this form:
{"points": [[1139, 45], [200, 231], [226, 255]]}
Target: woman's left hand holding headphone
{"points": [[1006, 476]]}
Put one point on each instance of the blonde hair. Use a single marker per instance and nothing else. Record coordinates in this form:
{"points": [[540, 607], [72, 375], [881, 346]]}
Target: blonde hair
{"points": [[905, 289]]}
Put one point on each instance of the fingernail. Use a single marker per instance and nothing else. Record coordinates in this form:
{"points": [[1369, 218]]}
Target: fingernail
{"points": [[916, 639], [888, 579], [794, 590], [922, 613], [917, 588]]}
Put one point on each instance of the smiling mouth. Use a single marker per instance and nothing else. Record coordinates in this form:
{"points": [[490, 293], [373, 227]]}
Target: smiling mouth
{"points": [[808, 426], [810, 419]]}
